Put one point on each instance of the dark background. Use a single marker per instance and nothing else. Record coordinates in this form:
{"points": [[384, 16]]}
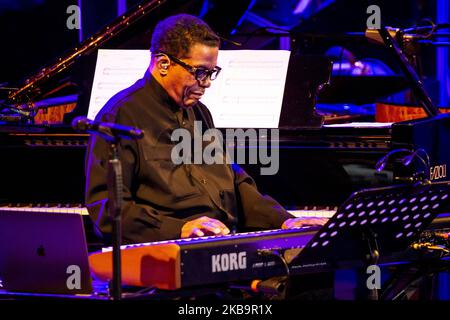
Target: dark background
{"points": [[33, 32]]}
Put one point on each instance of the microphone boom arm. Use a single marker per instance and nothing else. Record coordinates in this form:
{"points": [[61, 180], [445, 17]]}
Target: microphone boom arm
{"points": [[411, 75]]}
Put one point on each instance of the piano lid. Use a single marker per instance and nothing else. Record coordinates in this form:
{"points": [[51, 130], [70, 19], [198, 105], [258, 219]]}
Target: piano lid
{"points": [[121, 30], [72, 73]]}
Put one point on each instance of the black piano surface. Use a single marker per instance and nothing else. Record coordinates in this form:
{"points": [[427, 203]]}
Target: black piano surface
{"points": [[317, 166]]}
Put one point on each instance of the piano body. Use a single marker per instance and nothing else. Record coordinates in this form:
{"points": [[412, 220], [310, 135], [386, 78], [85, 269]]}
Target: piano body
{"points": [[321, 165]]}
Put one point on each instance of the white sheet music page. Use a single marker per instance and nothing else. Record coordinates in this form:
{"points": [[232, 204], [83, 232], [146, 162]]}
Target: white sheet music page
{"points": [[247, 94], [115, 70], [249, 90]]}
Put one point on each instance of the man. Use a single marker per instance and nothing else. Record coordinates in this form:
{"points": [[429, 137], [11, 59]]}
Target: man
{"points": [[164, 200]]}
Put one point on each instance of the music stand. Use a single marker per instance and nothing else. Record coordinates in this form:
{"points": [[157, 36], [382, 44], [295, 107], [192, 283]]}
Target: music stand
{"points": [[374, 224]]}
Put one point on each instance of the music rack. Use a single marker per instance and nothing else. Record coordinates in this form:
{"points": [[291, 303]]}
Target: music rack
{"points": [[373, 225]]}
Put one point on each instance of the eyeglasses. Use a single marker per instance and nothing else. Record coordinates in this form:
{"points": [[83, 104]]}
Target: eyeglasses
{"points": [[200, 73]]}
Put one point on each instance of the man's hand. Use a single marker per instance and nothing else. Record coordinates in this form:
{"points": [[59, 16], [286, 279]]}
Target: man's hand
{"points": [[203, 226], [302, 222]]}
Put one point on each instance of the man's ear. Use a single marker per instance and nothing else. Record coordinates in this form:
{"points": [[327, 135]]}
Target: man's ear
{"points": [[163, 64]]}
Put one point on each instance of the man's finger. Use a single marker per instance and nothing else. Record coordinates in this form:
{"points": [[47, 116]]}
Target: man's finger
{"points": [[317, 222], [216, 227], [303, 222], [223, 227], [197, 232], [211, 227]]}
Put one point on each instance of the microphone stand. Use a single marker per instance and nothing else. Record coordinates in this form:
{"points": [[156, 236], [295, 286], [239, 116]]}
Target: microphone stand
{"points": [[115, 200], [112, 134], [115, 203], [409, 72], [115, 190]]}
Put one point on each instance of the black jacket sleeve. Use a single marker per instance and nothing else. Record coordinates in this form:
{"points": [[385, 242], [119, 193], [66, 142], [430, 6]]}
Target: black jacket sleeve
{"points": [[140, 222], [257, 211]]}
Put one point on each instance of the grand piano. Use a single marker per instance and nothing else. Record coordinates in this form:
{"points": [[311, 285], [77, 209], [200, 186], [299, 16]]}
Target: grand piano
{"points": [[322, 158]]}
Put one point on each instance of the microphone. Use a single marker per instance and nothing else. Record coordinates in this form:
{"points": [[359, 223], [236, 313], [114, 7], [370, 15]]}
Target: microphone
{"points": [[398, 34], [384, 160], [107, 129], [374, 36], [406, 161], [432, 26], [409, 158]]}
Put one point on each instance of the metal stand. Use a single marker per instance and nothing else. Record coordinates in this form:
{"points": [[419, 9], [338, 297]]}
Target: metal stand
{"points": [[373, 226], [112, 133], [115, 187], [410, 74], [372, 258]]}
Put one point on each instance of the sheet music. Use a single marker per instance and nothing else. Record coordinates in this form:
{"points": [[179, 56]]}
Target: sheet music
{"points": [[249, 90], [115, 70], [247, 94]]}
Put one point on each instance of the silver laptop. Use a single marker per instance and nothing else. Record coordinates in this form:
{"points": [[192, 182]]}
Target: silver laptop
{"points": [[43, 252]]}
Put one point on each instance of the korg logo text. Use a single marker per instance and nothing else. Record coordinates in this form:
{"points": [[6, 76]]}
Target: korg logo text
{"points": [[229, 261]]}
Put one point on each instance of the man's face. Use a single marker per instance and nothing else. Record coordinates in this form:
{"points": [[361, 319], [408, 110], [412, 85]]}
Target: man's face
{"points": [[182, 85]]}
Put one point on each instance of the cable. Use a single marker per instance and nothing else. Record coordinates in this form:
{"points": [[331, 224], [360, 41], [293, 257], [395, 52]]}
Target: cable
{"points": [[379, 166], [407, 160], [431, 29], [141, 293]]}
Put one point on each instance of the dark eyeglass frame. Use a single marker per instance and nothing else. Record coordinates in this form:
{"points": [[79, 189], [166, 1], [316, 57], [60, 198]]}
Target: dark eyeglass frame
{"points": [[200, 73]]}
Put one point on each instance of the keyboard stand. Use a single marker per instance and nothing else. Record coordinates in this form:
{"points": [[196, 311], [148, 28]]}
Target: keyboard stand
{"points": [[373, 224]]}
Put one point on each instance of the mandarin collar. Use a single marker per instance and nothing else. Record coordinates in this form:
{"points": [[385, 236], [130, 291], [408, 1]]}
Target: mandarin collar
{"points": [[160, 93]]}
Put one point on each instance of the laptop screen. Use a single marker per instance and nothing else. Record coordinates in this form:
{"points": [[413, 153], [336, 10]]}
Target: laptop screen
{"points": [[43, 252]]}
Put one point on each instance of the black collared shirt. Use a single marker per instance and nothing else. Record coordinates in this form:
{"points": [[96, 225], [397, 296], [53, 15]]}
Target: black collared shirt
{"points": [[159, 195]]}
